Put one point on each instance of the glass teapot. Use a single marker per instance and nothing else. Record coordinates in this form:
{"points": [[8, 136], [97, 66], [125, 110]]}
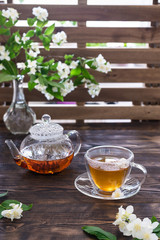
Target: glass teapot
{"points": [[46, 150]]}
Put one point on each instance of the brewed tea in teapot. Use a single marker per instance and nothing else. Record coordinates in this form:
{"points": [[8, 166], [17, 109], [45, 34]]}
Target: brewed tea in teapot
{"points": [[46, 150]]}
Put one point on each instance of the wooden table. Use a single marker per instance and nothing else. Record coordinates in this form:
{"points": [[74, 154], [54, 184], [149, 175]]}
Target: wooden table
{"points": [[59, 210]]}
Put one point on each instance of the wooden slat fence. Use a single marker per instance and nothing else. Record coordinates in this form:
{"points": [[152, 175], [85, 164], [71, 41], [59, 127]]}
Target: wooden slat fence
{"points": [[120, 57]]}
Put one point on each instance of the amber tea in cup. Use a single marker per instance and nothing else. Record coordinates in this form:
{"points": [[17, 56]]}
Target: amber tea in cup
{"points": [[108, 166], [108, 173]]}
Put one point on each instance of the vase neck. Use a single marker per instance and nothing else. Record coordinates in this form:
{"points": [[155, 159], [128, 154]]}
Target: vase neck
{"points": [[18, 94]]}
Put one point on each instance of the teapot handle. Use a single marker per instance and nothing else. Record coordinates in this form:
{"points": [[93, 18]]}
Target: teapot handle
{"points": [[78, 141]]}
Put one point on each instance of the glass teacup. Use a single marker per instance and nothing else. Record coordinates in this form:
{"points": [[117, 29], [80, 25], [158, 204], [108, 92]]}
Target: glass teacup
{"points": [[109, 167]]}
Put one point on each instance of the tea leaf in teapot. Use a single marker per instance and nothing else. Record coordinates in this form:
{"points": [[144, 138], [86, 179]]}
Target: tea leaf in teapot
{"points": [[99, 233], [3, 194]]}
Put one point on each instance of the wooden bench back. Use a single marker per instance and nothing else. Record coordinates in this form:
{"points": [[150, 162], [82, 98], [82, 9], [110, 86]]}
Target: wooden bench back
{"points": [[143, 99]]}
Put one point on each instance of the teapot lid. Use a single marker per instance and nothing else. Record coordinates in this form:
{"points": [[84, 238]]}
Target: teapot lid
{"points": [[46, 129]]}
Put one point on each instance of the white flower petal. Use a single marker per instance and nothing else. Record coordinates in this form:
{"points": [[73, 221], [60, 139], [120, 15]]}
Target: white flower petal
{"points": [[14, 213], [40, 13], [117, 193], [1, 66], [130, 209], [59, 38], [21, 65], [17, 39]]}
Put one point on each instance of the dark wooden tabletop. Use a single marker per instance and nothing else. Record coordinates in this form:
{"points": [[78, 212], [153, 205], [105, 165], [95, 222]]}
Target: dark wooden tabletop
{"points": [[59, 210]]}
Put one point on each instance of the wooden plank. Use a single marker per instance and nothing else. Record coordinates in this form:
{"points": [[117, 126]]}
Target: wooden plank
{"points": [[106, 94], [82, 2], [151, 56], [94, 112], [81, 44], [129, 35], [126, 76], [102, 35], [127, 125], [92, 13], [146, 75]]}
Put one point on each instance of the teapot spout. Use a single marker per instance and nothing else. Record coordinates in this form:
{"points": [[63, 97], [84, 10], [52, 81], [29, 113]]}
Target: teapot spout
{"points": [[16, 154], [12, 147]]}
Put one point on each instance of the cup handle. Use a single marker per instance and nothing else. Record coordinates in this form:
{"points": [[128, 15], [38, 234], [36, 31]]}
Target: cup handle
{"points": [[143, 169], [78, 141]]}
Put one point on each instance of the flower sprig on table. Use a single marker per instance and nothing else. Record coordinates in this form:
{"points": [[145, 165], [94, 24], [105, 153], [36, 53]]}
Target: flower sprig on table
{"points": [[129, 225], [51, 78], [12, 209]]}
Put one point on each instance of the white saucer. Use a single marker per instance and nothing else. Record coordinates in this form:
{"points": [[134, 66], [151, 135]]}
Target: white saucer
{"points": [[84, 185]]}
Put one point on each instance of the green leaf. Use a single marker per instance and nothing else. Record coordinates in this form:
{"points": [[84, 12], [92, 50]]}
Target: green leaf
{"points": [[6, 204], [42, 80], [55, 84], [157, 229], [154, 219], [3, 194], [2, 20], [44, 71], [31, 21], [1, 209], [41, 24], [54, 77], [4, 31], [49, 30], [27, 207], [90, 64], [86, 73], [78, 81], [158, 234], [58, 96], [50, 62], [55, 94], [9, 23], [38, 31], [31, 85], [40, 37], [16, 47], [75, 72], [11, 67], [24, 71], [40, 59], [46, 42], [4, 77], [30, 33], [26, 45], [68, 57], [99, 233], [12, 55], [32, 78]]}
